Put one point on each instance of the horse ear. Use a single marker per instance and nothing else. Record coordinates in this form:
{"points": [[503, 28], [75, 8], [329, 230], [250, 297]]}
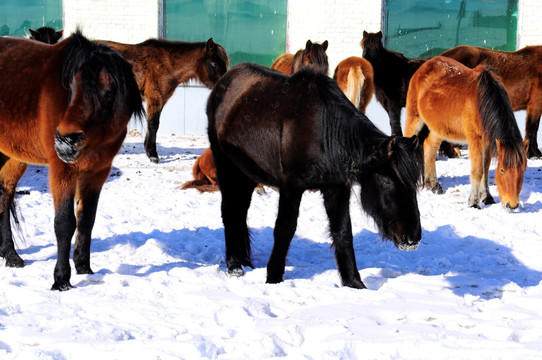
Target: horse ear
{"points": [[365, 33], [379, 34], [499, 145], [308, 45], [324, 45], [210, 46], [414, 142], [34, 33], [59, 33]]}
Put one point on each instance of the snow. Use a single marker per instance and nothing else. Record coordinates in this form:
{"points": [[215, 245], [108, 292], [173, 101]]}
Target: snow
{"points": [[473, 289]]}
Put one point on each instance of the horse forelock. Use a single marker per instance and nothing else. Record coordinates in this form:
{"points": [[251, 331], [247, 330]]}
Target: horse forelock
{"points": [[407, 164], [89, 59]]}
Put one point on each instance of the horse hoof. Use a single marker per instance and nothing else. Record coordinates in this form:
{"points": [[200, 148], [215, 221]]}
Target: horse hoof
{"points": [[236, 272], [84, 270], [489, 200], [61, 286], [437, 189], [14, 262], [475, 206], [355, 284], [154, 159], [273, 280]]}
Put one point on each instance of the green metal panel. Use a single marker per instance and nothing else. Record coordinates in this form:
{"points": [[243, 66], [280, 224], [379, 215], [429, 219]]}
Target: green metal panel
{"points": [[17, 16], [249, 30], [420, 28]]}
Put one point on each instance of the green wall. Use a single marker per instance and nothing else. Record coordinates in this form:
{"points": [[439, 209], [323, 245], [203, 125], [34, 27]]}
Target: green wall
{"points": [[17, 16]]}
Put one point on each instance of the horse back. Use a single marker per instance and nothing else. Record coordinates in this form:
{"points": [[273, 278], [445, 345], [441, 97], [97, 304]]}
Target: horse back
{"points": [[283, 64], [261, 118]]}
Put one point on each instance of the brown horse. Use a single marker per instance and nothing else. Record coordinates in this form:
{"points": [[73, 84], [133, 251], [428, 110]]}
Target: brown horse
{"points": [[461, 104], [68, 109], [204, 173], [354, 75], [313, 55], [300, 132], [161, 65], [45, 34], [521, 74]]}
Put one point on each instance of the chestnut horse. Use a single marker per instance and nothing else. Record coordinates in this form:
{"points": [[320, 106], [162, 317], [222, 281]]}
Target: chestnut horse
{"points": [[68, 109], [161, 65], [45, 34], [313, 55], [204, 173], [521, 74], [355, 78], [461, 104], [300, 132]]}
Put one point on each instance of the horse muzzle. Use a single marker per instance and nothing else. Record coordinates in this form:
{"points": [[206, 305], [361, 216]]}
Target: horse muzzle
{"points": [[68, 147]]}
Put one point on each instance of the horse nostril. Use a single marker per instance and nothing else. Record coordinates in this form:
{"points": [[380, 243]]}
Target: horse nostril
{"points": [[510, 207]]}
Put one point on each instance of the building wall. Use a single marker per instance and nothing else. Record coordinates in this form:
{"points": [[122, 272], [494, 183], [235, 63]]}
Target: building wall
{"points": [[529, 24], [340, 22], [118, 20]]}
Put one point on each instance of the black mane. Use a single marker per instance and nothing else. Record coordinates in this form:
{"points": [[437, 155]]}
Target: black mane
{"points": [[88, 57]]}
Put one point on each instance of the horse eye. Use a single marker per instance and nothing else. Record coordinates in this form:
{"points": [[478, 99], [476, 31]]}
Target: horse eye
{"points": [[108, 95], [502, 171]]}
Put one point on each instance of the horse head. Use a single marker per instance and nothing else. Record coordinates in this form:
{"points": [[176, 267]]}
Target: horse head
{"points": [[102, 97], [511, 166], [45, 34], [371, 42], [213, 65], [389, 181], [314, 55]]}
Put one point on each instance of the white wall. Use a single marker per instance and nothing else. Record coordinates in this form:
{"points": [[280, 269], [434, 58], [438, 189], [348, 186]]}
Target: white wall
{"points": [[529, 23], [124, 21], [340, 22]]}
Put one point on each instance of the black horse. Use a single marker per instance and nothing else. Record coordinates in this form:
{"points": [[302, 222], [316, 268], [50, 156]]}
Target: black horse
{"points": [[300, 132], [392, 73]]}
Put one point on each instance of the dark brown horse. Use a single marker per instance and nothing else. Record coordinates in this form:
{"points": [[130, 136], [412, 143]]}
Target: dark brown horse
{"points": [[68, 109], [45, 34], [355, 78], [313, 55], [521, 74], [300, 132], [468, 105], [161, 65]]}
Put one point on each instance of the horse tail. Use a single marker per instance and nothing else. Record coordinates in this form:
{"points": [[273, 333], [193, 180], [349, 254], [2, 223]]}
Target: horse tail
{"points": [[497, 117], [354, 84]]}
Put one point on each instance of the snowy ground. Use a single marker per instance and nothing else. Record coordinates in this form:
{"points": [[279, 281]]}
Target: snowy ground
{"points": [[472, 289]]}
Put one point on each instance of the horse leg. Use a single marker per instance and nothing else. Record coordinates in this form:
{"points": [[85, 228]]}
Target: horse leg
{"points": [[154, 109], [285, 226], [337, 204], [62, 182], [477, 168], [394, 112], [236, 189], [430, 149], [11, 172], [485, 195], [531, 130], [87, 195]]}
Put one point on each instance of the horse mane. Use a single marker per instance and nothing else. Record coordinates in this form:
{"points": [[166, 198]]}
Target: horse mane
{"points": [[350, 135], [498, 118], [88, 57]]}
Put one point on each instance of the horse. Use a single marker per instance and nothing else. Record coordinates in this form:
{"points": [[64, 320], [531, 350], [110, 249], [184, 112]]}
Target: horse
{"points": [[392, 73], [68, 109], [300, 132], [204, 173], [313, 55], [46, 34], [161, 65], [354, 75], [460, 104], [520, 72]]}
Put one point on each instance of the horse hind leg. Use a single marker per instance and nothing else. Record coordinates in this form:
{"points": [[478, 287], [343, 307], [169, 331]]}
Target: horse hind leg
{"points": [[532, 124], [285, 227], [11, 172]]}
